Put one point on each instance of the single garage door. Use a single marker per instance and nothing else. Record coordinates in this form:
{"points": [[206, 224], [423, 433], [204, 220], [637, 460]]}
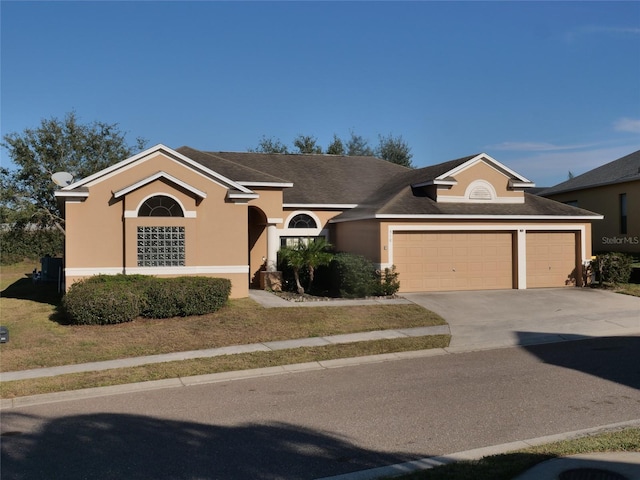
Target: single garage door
{"points": [[430, 261], [551, 259]]}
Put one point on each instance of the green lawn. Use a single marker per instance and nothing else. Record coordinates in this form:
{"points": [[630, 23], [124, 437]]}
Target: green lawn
{"points": [[509, 465], [39, 336]]}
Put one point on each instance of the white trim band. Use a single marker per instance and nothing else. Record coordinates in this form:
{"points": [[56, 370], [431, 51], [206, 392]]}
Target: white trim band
{"points": [[213, 269]]}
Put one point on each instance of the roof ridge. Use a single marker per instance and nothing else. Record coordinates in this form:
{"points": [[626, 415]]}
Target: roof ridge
{"points": [[239, 165]]}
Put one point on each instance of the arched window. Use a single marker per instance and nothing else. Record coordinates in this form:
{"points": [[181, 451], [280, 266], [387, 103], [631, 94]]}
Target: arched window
{"points": [[160, 206], [302, 220]]}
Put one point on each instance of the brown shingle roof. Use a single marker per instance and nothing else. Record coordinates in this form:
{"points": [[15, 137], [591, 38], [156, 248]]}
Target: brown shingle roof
{"points": [[317, 179], [625, 169], [376, 186]]}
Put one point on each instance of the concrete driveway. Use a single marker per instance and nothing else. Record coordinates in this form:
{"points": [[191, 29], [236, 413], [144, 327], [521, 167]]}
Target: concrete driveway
{"points": [[500, 318]]}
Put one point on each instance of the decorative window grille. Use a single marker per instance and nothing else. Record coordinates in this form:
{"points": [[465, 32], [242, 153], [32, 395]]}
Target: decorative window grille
{"points": [[302, 220], [160, 206], [161, 247]]}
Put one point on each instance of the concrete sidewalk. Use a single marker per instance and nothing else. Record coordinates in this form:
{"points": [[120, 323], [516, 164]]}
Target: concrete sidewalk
{"points": [[230, 350], [476, 321], [265, 299]]}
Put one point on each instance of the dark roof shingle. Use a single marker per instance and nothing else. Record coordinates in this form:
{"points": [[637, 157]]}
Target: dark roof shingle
{"points": [[376, 186], [317, 179], [625, 169]]}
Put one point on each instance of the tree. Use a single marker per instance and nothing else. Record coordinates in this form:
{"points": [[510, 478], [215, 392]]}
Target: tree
{"points": [[358, 145], [308, 254], [336, 147], [394, 150], [390, 148], [307, 144], [26, 196], [270, 145]]}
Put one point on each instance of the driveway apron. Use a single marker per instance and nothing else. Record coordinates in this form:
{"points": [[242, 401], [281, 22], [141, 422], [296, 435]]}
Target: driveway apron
{"points": [[501, 318]]}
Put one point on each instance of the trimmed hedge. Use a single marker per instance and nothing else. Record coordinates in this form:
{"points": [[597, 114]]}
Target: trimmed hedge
{"points": [[108, 299], [102, 303], [185, 296]]}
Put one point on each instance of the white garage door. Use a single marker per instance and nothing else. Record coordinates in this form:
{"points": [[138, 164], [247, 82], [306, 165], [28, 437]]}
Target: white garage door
{"points": [[430, 261], [551, 259]]}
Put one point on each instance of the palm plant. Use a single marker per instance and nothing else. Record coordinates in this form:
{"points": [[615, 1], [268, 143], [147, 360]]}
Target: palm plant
{"points": [[308, 254]]}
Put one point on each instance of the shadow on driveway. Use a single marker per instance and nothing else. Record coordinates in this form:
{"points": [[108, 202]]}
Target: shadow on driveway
{"points": [[616, 359]]}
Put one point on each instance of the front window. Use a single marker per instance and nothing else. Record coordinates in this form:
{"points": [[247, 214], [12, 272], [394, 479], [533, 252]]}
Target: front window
{"points": [[160, 206], [161, 247], [302, 220]]}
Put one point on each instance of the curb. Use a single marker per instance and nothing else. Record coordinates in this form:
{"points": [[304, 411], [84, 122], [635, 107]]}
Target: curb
{"points": [[228, 350], [45, 398], [479, 453], [8, 403]]}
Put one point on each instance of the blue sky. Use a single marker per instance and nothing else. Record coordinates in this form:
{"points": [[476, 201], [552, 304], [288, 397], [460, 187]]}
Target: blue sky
{"points": [[543, 87]]}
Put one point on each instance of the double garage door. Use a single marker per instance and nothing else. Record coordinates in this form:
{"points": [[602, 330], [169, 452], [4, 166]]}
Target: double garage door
{"points": [[440, 261]]}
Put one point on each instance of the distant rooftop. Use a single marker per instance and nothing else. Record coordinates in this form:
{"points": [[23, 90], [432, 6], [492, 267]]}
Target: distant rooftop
{"points": [[625, 169]]}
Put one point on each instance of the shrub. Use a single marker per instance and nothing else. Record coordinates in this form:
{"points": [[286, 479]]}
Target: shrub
{"points": [[184, 296], [389, 283], [105, 299], [613, 267], [353, 276], [99, 303]]}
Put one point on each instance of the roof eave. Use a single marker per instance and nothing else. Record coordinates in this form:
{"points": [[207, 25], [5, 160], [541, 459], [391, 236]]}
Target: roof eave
{"points": [[71, 194], [384, 216], [266, 184], [428, 183], [587, 187]]}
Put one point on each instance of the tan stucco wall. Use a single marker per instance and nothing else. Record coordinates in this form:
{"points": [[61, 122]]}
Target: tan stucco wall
{"points": [[270, 202], [606, 201], [481, 171], [361, 237], [100, 239]]}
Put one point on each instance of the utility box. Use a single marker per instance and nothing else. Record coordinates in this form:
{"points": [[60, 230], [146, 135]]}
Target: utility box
{"points": [[51, 269], [4, 334]]}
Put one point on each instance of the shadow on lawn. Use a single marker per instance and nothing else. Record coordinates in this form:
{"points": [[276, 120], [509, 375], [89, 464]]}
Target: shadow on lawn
{"points": [[118, 446], [41, 292], [26, 289]]}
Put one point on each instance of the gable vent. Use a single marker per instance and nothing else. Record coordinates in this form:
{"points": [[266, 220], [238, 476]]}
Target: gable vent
{"points": [[480, 192]]}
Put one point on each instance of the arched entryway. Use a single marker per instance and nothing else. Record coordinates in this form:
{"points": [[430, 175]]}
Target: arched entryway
{"points": [[257, 245]]}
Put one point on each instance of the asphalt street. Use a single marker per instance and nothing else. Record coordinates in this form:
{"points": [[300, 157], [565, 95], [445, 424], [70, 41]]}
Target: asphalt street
{"points": [[317, 424]]}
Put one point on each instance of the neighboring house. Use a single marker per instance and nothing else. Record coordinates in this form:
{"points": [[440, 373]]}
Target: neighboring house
{"points": [[461, 225], [614, 191]]}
